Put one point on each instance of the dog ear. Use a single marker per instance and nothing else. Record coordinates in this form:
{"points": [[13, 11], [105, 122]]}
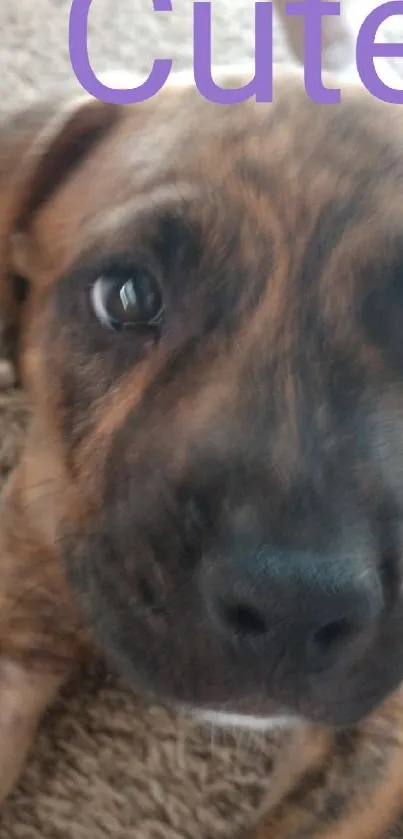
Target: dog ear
{"points": [[39, 149]]}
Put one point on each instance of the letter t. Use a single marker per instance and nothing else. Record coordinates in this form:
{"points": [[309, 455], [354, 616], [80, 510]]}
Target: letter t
{"points": [[313, 11]]}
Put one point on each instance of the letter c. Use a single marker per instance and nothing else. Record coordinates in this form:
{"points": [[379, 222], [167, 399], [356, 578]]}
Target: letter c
{"points": [[78, 46]]}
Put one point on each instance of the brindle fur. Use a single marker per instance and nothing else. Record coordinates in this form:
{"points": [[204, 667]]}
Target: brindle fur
{"points": [[274, 400]]}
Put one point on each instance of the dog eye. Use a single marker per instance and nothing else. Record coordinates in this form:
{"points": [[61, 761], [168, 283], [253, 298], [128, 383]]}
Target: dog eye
{"points": [[127, 300]]}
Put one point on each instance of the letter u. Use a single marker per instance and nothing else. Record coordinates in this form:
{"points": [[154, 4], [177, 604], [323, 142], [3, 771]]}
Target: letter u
{"points": [[261, 86]]}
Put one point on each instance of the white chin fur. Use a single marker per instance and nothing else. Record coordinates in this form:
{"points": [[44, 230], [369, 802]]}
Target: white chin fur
{"points": [[243, 721]]}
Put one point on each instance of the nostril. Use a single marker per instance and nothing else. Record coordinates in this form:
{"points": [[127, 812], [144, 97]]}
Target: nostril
{"points": [[242, 620], [327, 643], [331, 636]]}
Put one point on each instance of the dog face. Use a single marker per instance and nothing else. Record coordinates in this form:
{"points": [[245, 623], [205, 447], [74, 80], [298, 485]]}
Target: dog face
{"points": [[212, 343]]}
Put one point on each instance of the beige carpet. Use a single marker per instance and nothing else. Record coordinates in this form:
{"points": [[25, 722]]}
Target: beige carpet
{"points": [[105, 766]]}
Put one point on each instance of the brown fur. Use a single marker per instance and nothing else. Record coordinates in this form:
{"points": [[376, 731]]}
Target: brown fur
{"points": [[131, 438]]}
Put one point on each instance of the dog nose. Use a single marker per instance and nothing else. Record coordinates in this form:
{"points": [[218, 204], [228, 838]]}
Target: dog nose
{"points": [[321, 606]]}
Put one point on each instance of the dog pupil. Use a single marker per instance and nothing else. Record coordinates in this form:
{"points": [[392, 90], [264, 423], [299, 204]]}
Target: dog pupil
{"points": [[120, 301]]}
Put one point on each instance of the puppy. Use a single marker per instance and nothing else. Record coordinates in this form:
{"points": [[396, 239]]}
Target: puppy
{"points": [[207, 302]]}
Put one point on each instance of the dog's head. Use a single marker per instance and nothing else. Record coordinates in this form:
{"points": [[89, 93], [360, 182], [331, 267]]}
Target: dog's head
{"points": [[211, 336]]}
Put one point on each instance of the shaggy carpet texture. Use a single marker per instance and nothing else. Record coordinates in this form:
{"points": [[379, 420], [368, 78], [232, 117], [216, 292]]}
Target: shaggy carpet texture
{"points": [[105, 765]]}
